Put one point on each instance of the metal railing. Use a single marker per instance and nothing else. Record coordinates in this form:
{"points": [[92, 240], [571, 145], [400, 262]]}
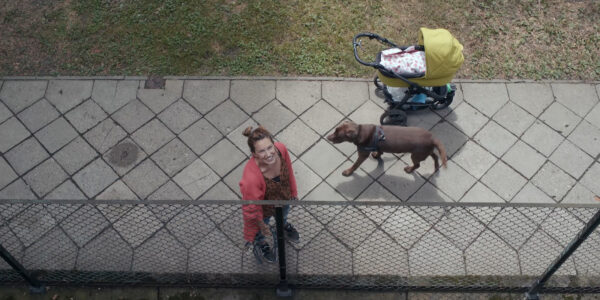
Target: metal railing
{"points": [[351, 245]]}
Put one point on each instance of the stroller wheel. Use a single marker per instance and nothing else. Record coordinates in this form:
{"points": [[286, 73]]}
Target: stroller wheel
{"points": [[393, 117], [447, 100], [377, 82]]}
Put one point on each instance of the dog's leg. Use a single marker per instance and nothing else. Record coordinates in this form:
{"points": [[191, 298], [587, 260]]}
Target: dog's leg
{"points": [[376, 155], [436, 163], [416, 158], [361, 157]]}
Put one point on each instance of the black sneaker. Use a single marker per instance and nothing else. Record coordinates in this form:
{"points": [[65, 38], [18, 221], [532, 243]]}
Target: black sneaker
{"points": [[263, 251], [290, 233]]}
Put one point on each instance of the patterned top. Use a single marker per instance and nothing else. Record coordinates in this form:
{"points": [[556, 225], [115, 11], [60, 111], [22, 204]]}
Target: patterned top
{"points": [[277, 190]]}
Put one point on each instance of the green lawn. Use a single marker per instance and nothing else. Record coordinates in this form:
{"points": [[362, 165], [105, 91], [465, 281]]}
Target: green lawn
{"points": [[502, 39]]}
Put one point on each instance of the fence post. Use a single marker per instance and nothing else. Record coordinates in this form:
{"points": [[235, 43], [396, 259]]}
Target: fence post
{"points": [[591, 225], [283, 290], [35, 286]]}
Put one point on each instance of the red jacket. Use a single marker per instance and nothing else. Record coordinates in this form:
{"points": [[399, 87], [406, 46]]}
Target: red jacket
{"points": [[253, 187]]}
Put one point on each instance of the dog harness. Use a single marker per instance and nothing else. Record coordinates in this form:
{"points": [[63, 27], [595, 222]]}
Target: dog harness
{"points": [[378, 136]]}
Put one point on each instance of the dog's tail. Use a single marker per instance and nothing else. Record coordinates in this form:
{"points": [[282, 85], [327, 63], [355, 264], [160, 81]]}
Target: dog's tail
{"points": [[440, 148]]}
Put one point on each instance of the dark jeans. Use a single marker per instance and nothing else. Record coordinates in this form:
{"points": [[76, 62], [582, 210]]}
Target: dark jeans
{"points": [[260, 238]]}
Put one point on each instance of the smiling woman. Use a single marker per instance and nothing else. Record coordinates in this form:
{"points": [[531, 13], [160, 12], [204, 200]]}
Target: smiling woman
{"points": [[268, 175]]}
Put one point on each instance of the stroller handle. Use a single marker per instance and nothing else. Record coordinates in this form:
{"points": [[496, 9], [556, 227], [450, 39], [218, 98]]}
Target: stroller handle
{"points": [[371, 36]]}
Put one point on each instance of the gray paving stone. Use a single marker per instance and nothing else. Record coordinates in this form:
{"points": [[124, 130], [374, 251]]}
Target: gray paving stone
{"points": [[161, 253], [376, 167], [451, 138], [579, 98], [84, 224], [223, 157], [345, 96], [173, 157], [533, 97], [159, 99], [45, 177], [322, 164], [593, 116], [322, 117], [467, 119], [297, 137], [480, 193], [571, 159], [524, 159], [405, 227], [86, 116], [370, 258], [560, 118], [26, 155], [18, 190], [38, 115], [514, 118], [238, 139], [488, 98], [553, 181], [400, 183], [424, 119], [446, 181], [54, 251], [435, 254], [17, 95], [503, 180], [226, 117], [429, 193], [117, 191], [251, 95], [306, 179], [587, 137], [226, 260], [137, 225], [543, 138], [298, 96], [220, 191], [66, 94], [66, 191], [12, 132], [532, 262], [351, 226], [579, 194], [12, 244], [133, 115], [6, 173], [495, 139], [152, 136], [459, 226], [122, 169], [179, 116], [145, 178], [590, 178], [32, 224], [232, 179], [106, 252], [204, 95], [5, 113], [201, 136], [95, 177], [490, 255], [105, 135], [274, 117], [368, 113], [376, 192], [324, 255], [56, 134], [196, 179], [190, 226], [113, 94], [169, 191], [531, 194], [474, 159], [352, 186]]}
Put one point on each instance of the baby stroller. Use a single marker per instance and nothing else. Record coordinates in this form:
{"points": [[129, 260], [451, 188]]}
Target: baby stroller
{"points": [[414, 77]]}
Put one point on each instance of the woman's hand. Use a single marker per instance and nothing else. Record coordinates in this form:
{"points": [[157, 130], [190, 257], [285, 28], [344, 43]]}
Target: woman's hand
{"points": [[264, 228]]}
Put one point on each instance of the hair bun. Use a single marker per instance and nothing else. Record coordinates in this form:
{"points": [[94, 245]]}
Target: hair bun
{"points": [[247, 131]]}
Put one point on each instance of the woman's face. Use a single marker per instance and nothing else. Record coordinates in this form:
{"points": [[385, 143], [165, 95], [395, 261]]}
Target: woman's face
{"points": [[264, 152]]}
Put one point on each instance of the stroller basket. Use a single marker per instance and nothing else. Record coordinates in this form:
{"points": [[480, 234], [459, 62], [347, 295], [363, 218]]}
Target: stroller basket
{"points": [[421, 72]]}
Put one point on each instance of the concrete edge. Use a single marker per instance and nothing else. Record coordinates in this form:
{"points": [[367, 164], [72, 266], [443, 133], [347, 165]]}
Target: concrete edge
{"points": [[458, 80]]}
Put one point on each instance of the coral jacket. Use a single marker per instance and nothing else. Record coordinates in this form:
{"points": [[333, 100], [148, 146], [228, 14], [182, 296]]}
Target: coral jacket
{"points": [[253, 187]]}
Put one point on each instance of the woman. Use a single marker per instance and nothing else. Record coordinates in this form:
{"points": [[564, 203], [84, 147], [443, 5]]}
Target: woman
{"points": [[268, 175]]}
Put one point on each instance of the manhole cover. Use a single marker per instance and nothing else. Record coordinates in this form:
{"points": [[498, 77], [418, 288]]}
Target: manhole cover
{"points": [[123, 154]]}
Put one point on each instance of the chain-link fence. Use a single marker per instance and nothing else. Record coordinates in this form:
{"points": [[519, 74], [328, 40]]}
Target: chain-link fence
{"points": [[353, 245]]}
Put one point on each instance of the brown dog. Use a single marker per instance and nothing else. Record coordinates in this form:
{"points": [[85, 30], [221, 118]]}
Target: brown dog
{"points": [[390, 139]]}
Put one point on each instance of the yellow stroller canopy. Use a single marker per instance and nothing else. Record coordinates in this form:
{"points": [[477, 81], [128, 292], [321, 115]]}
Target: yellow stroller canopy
{"points": [[443, 57]]}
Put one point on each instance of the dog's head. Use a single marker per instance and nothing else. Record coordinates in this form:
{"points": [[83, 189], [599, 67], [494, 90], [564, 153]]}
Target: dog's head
{"points": [[346, 132]]}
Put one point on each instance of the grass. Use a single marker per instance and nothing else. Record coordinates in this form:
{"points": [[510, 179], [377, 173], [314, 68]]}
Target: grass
{"points": [[504, 39]]}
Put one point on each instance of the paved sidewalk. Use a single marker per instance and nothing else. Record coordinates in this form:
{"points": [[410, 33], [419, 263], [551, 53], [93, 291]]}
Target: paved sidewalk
{"points": [[111, 138]]}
